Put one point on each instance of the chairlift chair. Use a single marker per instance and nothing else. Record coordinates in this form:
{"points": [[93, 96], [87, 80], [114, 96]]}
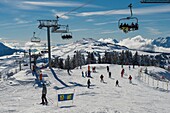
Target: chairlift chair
{"points": [[124, 24], [67, 35], [128, 24], [35, 39]]}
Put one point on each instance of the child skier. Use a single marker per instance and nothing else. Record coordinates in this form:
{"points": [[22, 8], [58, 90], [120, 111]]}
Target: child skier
{"points": [[101, 78], [88, 83], [130, 79], [117, 83]]}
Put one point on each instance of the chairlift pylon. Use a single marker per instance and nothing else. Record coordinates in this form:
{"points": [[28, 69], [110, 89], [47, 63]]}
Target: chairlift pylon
{"points": [[35, 39], [124, 25]]}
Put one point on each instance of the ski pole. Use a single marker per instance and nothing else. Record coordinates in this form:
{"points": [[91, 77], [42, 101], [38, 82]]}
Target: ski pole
{"points": [[50, 100]]}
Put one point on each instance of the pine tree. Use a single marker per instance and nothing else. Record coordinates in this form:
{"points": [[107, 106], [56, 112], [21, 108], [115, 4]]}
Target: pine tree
{"points": [[99, 59], [136, 59], [67, 63], [93, 59], [60, 64], [88, 60]]}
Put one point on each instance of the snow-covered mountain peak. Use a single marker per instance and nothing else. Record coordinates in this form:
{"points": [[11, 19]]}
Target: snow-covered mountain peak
{"points": [[162, 42], [86, 45], [139, 38], [108, 40]]}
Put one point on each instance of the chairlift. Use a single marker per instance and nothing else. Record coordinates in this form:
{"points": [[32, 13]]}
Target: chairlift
{"points": [[129, 23], [67, 35], [35, 39]]}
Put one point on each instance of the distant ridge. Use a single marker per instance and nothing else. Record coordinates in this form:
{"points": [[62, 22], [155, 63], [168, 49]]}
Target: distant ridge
{"points": [[162, 42], [4, 50], [143, 44]]}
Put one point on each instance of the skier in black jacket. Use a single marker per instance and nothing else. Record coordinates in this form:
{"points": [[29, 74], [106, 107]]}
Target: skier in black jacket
{"points": [[88, 83], [44, 92]]}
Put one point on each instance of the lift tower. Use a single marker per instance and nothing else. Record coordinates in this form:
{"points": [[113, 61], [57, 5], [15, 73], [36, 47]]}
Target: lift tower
{"points": [[48, 24]]}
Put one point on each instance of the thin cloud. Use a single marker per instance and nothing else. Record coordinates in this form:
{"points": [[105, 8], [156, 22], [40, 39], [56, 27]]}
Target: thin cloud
{"points": [[60, 14], [153, 31], [20, 21], [89, 20], [139, 11], [104, 23], [109, 32], [34, 5], [77, 30], [58, 4]]}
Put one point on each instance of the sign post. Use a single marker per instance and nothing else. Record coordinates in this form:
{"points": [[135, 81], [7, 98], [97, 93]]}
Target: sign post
{"points": [[65, 97]]}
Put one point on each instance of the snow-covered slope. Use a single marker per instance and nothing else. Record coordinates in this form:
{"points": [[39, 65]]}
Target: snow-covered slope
{"points": [[20, 93], [86, 45]]}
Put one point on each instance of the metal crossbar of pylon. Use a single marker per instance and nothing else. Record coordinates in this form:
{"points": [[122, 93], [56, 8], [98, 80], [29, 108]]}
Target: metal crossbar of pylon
{"points": [[155, 1]]}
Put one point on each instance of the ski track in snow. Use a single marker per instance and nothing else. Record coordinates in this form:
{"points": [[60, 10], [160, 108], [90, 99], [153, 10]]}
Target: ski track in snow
{"points": [[105, 97]]}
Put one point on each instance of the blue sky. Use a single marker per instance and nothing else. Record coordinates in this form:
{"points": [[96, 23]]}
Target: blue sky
{"points": [[98, 19]]}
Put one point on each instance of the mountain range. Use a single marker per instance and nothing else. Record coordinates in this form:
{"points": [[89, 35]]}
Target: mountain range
{"points": [[160, 44], [139, 43]]}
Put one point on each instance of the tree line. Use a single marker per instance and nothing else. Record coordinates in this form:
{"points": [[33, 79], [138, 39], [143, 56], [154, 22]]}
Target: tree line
{"points": [[125, 57]]}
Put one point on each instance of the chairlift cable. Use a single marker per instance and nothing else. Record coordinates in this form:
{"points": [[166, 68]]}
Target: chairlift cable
{"points": [[77, 8], [111, 11]]}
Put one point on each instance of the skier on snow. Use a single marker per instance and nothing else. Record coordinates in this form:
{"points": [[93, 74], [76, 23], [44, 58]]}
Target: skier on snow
{"points": [[130, 79], [117, 83], [101, 78], [109, 74], [44, 92], [107, 68], [122, 72], [88, 83]]}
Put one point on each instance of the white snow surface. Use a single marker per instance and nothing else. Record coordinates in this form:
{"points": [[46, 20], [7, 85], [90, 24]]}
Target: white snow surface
{"points": [[20, 94]]}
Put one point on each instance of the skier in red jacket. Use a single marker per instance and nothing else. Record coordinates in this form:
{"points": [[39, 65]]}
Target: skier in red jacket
{"points": [[122, 72]]}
